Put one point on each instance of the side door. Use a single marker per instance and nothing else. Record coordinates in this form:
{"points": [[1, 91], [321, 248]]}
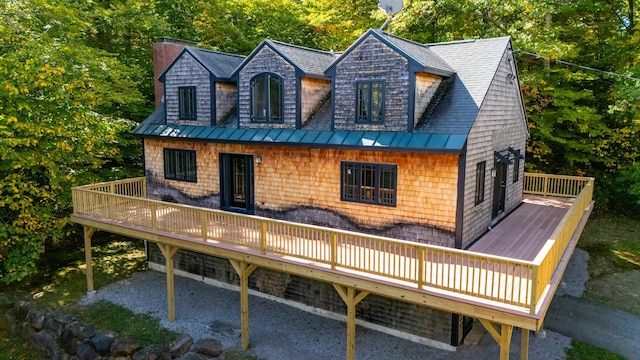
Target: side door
{"points": [[499, 189], [236, 183]]}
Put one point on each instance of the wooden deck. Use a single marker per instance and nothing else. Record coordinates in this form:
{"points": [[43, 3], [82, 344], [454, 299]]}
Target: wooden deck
{"points": [[524, 232], [506, 278]]}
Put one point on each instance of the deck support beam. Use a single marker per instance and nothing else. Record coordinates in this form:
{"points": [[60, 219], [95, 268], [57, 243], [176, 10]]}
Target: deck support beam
{"points": [[501, 334], [244, 270], [88, 233], [169, 252], [351, 298]]}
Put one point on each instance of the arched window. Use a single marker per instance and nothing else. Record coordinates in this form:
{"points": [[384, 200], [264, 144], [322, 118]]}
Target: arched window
{"points": [[266, 98]]}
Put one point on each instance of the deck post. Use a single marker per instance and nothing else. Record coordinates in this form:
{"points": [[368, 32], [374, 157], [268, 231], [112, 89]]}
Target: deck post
{"points": [[524, 344], [501, 335], [169, 252], [505, 340], [88, 233], [351, 299], [244, 270]]}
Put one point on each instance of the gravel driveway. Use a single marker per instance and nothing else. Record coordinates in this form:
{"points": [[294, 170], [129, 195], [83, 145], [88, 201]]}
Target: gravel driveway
{"points": [[278, 331]]}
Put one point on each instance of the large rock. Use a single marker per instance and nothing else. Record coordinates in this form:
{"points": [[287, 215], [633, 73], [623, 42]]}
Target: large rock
{"points": [[23, 307], [209, 347], [181, 345], [50, 323], [153, 352], [36, 318], [63, 319], [102, 342], [46, 341], [69, 341], [124, 347], [86, 351], [82, 331]]}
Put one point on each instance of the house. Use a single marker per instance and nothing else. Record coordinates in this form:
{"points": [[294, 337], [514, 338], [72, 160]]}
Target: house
{"points": [[418, 142]]}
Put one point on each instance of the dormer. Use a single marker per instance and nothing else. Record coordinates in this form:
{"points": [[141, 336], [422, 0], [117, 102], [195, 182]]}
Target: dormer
{"points": [[384, 83], [198, 89], [281, 85]]}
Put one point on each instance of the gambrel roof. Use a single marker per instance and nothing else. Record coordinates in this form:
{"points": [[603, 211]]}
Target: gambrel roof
{"points": [[219, 65]]}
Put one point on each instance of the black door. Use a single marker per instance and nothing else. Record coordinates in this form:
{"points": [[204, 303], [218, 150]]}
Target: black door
{"points": [[499, 188], [236, 183]]}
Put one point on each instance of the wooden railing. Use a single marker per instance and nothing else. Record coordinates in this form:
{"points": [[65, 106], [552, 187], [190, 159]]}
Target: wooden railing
{"points": [[550, 255], [554, 185], [504, 280]]}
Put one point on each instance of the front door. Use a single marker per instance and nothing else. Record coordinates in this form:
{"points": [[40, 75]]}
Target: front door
{"points": [[499, 188], [236, 183]]}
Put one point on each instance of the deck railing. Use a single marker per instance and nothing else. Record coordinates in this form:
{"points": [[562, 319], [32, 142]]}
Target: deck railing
{"points": [[504, 280], [551, 253]]}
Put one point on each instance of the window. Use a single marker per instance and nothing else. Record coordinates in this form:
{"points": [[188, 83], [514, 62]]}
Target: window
{"points": [[480, 174], [370, 102], [180, 165], [516, 166], [369, 183], [266, 98], [187, 102]]}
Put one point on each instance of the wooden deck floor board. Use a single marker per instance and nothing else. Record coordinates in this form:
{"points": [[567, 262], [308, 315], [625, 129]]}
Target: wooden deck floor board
{"points": [[524, 232]]}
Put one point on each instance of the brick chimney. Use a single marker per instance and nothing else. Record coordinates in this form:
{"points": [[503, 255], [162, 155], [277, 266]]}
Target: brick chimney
{"points": [[165, 50]]}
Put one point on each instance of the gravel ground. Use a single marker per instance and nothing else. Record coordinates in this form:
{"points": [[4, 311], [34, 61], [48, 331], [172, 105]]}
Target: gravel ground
{"points": [[278, 331]]}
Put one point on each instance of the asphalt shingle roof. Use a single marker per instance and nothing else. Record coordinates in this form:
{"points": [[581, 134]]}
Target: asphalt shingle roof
{"points": [[475, 63], [219, 64], [310, 61], [420, 53]]}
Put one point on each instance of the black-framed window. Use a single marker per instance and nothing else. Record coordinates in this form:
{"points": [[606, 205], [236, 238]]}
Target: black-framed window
{"points": [[369, 183], [187, 102], [267, 98], [480, 177], [370, 101], [180, 165], [516, 167]]}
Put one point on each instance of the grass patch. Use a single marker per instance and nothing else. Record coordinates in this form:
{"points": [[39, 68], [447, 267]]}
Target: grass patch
{"points": [[613, 243], [64, 278], [142, 327], [62, 281], [584, 351]]}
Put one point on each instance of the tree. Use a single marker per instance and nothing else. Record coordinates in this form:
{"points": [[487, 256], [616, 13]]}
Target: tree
{"points": [[51, 136]]}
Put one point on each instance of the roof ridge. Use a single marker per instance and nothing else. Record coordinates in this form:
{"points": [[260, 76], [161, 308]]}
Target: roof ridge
{"points": [[324, 52], [405, 40], [217, 52]]}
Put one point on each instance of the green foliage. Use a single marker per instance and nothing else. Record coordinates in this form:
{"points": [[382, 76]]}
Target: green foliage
{"points": [[71, 72], [582, 122], [583, 351], [51, 135]]}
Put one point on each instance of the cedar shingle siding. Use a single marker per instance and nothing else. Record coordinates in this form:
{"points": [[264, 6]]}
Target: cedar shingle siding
{"points": [[372, 60], [267, 61], [226, 100], [186, 71], [498, 126], [447, 107]]}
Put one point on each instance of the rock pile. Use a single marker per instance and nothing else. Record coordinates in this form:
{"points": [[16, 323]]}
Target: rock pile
{"points": [[62, 337]]}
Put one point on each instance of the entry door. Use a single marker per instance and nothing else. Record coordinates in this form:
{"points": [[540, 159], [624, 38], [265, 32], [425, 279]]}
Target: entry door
{"points": [[499, 188], [236, 183]]}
